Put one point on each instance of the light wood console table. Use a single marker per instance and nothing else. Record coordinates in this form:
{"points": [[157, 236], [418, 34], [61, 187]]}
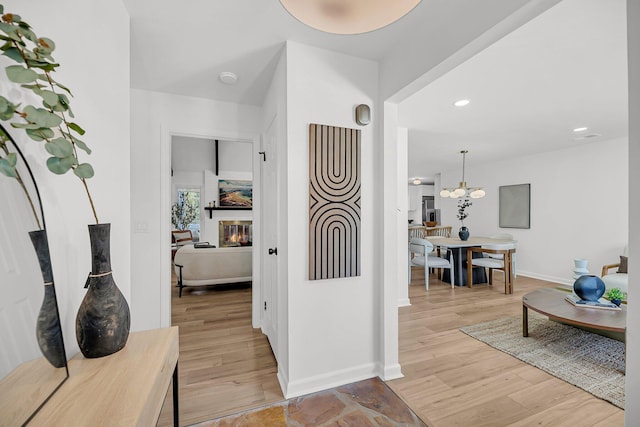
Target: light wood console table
{"points": [[126, 388]]}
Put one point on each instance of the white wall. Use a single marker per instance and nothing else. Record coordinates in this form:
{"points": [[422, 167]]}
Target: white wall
{"points": [[333, 327], [632, 382], [579, 207], [155, 117], [100, 107]]}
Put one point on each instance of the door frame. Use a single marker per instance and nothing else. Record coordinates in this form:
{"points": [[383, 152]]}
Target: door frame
{"points": [[165, 218]]}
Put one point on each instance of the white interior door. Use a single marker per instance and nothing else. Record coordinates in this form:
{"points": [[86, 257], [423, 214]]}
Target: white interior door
{"points": [[270, 236]]}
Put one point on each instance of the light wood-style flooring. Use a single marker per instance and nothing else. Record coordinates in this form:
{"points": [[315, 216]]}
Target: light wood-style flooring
{"points": [[450, 379]]}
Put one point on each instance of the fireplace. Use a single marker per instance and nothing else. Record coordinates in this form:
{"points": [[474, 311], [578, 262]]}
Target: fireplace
{"points": [[235, 233]]}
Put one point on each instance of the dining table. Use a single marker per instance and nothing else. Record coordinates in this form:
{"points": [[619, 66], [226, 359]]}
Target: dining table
{"points": [[458, 248]]}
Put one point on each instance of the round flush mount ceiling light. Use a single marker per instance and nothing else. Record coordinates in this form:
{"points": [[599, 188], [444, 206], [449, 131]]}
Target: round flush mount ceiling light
{"points": [[417, 181], [348, 16], [461, 102], [228, 78], [580, 129]]}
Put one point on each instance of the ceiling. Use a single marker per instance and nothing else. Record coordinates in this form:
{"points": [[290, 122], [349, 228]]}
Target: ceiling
{"points": [[563, 69]]}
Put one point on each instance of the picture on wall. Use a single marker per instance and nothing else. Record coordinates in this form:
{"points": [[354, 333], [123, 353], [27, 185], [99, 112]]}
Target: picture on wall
{"points": [[515, 206], [235, 193], [334, 202]]}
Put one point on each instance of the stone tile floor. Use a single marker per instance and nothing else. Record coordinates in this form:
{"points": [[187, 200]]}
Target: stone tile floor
{"points": [[368, 403]]}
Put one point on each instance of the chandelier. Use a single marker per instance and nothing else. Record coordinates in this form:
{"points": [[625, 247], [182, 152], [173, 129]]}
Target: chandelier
{"points": [[463, 190]]}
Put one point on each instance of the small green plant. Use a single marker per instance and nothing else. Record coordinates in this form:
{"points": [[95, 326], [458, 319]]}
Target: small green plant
{"points": [[50, 123], [615, 293]]}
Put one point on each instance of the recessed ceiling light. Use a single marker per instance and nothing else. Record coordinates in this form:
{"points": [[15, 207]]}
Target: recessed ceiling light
{"points": [[580, 129], [228, 78], [461, 102]]}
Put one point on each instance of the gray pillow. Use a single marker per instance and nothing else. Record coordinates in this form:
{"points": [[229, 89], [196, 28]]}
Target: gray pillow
{"points": [[623, 264]]}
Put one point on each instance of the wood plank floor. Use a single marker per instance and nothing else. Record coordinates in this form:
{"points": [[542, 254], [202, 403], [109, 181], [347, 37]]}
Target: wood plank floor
{"points": [[450, 379]]}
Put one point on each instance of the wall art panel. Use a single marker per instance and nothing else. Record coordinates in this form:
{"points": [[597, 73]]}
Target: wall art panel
{"points": [[334, 202]]}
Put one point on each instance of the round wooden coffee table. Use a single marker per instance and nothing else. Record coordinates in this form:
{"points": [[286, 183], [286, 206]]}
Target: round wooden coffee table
{"points": [[551, 302]]}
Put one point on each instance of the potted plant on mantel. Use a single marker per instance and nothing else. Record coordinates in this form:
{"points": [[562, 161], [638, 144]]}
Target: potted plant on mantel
{"points": [[103, 319]]}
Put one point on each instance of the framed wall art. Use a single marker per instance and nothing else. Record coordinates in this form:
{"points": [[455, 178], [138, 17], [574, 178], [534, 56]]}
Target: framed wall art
{"points": [[515, 206], [334, 202], [235, 193]]}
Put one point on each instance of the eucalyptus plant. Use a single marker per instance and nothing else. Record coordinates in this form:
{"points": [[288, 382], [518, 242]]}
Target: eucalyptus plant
{"points": [[52, 122]]}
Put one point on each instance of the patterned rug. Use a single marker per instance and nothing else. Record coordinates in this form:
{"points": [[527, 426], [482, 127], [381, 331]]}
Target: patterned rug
{"points": [[592, 362], [364, 403]]}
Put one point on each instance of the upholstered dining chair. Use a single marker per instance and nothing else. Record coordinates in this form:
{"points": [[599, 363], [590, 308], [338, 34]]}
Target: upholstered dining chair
{"points": [[503, 262], [505, 236], [419, 250]]}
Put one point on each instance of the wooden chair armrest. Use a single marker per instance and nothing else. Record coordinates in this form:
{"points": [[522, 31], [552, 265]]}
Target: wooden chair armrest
{"points": [[490, 251], [606, 268]]}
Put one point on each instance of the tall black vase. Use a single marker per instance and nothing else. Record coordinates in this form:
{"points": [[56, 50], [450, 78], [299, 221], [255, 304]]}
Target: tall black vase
{"points": [[48, 330], [102, 323]]}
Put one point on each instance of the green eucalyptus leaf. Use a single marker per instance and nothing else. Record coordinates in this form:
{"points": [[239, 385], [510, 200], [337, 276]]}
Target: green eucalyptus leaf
{"points": [[25, 125], [12, 17], [46, 44], [12, 159], [19, 74], [60, 148], [80, 144], [7, 28], [63, 87], [7, 169], [40, 134], [77, 128], [42, 65], [49, 97], [60, 166], [7, 108], [26, 32], [14, 54], [41, 117], [63, 103], [84, 171]]}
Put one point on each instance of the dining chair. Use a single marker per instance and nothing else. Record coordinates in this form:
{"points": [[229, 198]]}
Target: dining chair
{"points": [[419, 256], [417, 231], [506, 236], [503, 262]]}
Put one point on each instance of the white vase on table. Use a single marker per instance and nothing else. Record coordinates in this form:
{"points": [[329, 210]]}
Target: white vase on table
{"points": [[580, 268]]}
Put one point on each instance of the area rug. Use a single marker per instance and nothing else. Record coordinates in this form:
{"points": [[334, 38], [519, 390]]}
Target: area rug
{"points": [[592, 362], [363, 403]]}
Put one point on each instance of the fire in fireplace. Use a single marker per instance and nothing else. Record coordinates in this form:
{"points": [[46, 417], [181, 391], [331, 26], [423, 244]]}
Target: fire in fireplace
{"points": [[235, 233]]}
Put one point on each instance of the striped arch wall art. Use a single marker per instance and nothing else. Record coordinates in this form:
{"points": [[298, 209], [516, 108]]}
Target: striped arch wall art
{"points": [[334, 202]]}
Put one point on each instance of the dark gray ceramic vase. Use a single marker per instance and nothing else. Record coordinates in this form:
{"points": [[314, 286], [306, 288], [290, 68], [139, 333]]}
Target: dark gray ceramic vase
{"points": [[102, 323], [48, 331], [463, 233]]}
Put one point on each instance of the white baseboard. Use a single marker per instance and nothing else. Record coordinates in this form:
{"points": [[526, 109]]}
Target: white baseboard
{"points": [[559, 280], [325, 381], [391, 372], [404, 302], [283, 380]]}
